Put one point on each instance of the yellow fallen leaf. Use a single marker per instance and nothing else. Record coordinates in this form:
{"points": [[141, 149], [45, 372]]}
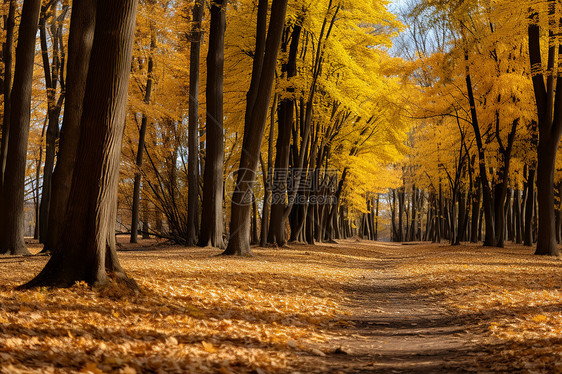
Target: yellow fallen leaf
{"points": [[208, 347], [91, 368]]}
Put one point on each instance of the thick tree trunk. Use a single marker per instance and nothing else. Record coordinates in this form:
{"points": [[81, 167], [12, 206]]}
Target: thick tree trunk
{"points": [[259, 95], [87, 249], [546, 236], [548, 99], [193, 131], [499, 205], [82, 24], [211, 230], [12, 229]]}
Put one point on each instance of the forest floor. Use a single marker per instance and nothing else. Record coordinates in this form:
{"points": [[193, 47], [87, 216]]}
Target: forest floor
{"points": [[354, 307]]}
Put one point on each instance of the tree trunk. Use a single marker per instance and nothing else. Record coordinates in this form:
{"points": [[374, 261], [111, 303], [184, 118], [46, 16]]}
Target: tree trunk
{"points": [[82, 23], [88, 247], [490, 238], [211, 231], [259, 95], [13, 189], [548, 101], [400, 214], [254, 232], [9, 27], [142, 136], [285, 122], [529, 208], [546, 236], [268, 180], [518, 218], [193, 131], [53, 109]]}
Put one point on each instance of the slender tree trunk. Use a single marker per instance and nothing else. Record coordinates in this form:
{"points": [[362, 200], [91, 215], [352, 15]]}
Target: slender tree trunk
{"points": [[82, 23], [490, 238], [518, 218], [400, 214], [211, 231], [461, 235], [529, 208], [142, 136], [377, 219], [254, 232], [145, 219], [87, 249], [53, 109], [13, 189], [257, 104], [268, 179], [193, 132], [7, 88], [285, 122]]}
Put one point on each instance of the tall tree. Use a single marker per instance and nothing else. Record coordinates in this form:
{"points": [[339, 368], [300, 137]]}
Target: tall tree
{"points": [[211, 232], [257, 104], [193, 131], [87, 251], [9, 26], [82, 25], [142, 136], [53, 76], [285, 123], [13, 188], [549, 107]]}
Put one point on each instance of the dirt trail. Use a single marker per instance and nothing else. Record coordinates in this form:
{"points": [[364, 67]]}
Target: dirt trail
{"points": [[393, 330]]}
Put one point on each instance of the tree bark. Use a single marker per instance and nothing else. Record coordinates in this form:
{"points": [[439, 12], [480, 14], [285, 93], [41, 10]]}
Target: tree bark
{"points": [[54, 106], [518, 218], [211, 231], [87, 250], [193, 131], [13, 189], [268, 179], [82, 24], [259, 95], [490, 238], [548, 101], [142, 136], [285, 122], [546, 237], [7, 87]]}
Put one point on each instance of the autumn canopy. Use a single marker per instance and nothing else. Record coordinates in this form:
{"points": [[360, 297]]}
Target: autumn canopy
{"points": [[253, 127]]}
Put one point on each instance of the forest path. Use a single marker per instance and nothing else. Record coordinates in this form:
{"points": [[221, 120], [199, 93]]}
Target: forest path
{"points": [[394, 330]]}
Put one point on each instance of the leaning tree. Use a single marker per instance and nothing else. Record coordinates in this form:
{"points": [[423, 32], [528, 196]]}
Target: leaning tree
{"points": [[257, 104]]}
